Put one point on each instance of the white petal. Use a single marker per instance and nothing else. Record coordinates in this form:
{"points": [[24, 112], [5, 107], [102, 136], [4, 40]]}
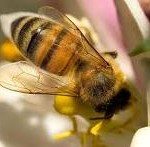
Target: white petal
{"points": [[141, 138], [134, 23]]}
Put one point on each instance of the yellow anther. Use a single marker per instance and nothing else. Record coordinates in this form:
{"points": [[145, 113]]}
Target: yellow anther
{"points": [[62, 135], [96, 129], [8, 51]]}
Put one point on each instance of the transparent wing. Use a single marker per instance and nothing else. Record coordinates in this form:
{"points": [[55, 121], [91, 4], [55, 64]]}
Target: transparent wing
{"points": [[26, 78], [57, 17]]}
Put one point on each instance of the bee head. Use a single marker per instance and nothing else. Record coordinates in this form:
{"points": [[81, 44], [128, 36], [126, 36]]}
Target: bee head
{"points": [[116, 103], [98, 91]]}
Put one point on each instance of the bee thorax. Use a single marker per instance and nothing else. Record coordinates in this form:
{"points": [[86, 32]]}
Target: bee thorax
{"points": [[97, 88]]}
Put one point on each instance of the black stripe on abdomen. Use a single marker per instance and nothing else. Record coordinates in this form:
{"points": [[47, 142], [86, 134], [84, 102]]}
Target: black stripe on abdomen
{"points": [[37, 38], [25, 29], [54, 47], [15, 25]]}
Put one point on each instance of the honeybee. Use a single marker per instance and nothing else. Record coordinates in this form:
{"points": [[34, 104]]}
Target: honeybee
{"points": [[61, 61]]}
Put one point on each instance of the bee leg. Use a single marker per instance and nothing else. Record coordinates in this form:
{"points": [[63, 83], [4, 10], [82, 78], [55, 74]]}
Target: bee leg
{"points": [[83, 136], [113, 54], [96, 118], [106, 116], [75, 130]]}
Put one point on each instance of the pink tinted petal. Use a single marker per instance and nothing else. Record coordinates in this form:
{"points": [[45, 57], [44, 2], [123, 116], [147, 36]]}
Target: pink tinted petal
{"points": [[135, 28], [103, 16]]}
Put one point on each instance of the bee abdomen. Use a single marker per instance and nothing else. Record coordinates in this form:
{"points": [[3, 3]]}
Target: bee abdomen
{"points": [[46, 43]]}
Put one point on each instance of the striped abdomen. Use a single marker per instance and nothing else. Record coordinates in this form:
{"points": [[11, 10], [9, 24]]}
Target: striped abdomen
{"points": [[48, 44]]}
